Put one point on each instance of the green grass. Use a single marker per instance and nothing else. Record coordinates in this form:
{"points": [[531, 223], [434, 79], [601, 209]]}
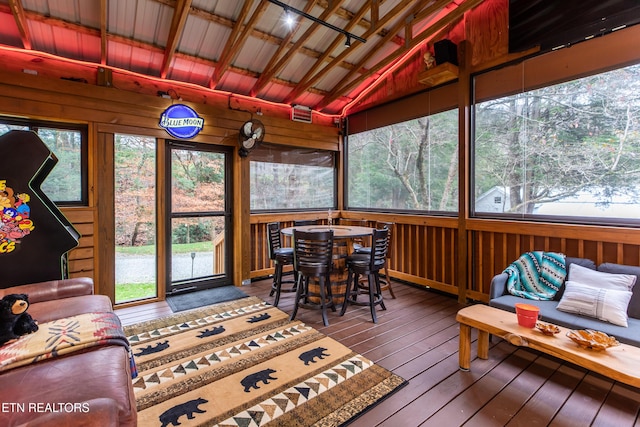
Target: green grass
{"points": [[177, 249], [135, 291]]}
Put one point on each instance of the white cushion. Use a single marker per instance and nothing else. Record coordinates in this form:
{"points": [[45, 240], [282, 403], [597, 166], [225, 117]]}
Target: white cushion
{"points": [[609, 305], [600, 279]]}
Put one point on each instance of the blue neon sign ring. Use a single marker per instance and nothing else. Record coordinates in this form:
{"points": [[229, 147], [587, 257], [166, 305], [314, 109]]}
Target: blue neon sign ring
{"points": [[181, 121]]}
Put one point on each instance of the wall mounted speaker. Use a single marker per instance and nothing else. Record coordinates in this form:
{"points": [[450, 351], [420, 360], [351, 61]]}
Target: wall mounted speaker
{"points": [[445, 51]]}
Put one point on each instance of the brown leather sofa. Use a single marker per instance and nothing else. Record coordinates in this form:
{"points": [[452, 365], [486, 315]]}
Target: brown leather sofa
{"points": [[91, 387]]}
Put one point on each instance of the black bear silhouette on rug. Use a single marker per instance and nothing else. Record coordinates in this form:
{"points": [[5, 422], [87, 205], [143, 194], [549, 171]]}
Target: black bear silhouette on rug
{"points": [[259, 318], [251, 381], [170, 416], [210, 332], [309, 356], [161, 346]]}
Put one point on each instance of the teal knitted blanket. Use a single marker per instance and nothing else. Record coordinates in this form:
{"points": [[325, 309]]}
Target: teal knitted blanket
{"points": [[536, 275]]}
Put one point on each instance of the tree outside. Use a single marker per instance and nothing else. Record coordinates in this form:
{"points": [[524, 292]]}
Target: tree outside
{"points": [[407, 166], [555, 143]]}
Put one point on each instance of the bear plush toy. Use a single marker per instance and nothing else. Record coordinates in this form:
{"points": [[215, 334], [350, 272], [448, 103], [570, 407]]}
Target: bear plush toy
{"points": [[14, 319]]}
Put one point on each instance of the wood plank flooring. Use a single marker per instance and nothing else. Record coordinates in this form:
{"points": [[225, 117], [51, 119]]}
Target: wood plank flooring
{"points": [[417, 338]]}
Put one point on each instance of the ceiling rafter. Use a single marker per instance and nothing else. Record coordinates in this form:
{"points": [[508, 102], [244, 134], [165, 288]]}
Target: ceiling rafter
{"points": [[375, 13], [452, 16], [286, 42], [270, 72], [103, 32], [239, 71], [180, 14], [56, 22], [291, 97], [229, 23], [297, 65], [410, 15], [232, 47], [21, 21], [310, 79], [60, 23]]}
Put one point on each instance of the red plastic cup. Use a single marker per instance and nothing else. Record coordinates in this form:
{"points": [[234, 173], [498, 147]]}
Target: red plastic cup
{"points": [[527, 315]]}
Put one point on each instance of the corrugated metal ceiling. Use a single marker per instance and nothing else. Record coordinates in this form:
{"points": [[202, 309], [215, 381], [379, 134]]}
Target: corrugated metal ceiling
{"points": [[238, 46]]}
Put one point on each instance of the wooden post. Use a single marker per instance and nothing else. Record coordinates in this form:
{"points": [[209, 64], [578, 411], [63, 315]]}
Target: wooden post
{"points": [[105, 274], [464, 182], [241, 220]]}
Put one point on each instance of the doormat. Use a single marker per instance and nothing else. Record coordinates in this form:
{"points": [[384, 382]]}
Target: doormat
{"points": [[191, 300], [244, 363]]}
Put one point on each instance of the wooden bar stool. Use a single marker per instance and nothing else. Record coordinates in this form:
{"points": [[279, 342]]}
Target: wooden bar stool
{"points": [[313, 258], [280, 256], [386, 283], [367, 265]]}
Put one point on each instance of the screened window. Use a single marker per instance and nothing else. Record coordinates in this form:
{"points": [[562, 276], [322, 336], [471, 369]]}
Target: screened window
{"points": [[284, 178], [570, 150], [411, 165], [67, 182]]}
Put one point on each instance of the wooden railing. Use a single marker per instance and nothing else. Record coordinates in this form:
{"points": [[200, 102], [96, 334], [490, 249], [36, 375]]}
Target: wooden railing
{"points": [[498, 243], [412, 255], [218, 254], [425, 248]]}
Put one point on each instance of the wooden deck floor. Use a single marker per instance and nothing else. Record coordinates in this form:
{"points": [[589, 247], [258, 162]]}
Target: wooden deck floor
{"points": [[417, 338]]}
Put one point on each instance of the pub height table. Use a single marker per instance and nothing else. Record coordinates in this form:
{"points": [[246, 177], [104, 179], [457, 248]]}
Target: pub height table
{"points": [[343, 236]]}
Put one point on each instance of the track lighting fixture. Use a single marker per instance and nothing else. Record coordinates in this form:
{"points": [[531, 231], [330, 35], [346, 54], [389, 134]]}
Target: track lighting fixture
{"points": [[347, 42], [288, 18]]}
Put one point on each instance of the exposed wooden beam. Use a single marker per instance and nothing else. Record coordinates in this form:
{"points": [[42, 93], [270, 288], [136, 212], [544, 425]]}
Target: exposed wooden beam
{"points": [[235, 40], [310, 78], [21, 21], [180, 15], [286, 42], [261, 35], [339, 39], [271, 71], [349, 82], [103, 31], [375, 13]]}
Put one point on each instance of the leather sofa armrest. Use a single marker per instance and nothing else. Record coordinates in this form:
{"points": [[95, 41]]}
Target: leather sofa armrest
{"points": [[53, 289], [498, 286]]}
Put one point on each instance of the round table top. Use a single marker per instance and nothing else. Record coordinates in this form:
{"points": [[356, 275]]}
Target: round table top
{"points": [[339, 231]]}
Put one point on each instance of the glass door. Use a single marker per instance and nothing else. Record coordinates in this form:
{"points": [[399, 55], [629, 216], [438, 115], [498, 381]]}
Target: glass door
{"points": [[199, 218], [135, 217]]}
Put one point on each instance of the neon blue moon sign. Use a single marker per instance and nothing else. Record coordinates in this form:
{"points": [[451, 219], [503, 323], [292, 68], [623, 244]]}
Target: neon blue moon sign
{"points": [[181, 121]]}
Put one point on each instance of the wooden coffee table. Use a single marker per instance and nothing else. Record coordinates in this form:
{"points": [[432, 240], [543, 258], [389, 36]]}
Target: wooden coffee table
{"points": [[619, 363]]}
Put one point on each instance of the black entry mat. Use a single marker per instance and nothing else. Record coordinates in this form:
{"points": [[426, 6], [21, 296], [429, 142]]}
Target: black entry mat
{"points": [[196, 299]]}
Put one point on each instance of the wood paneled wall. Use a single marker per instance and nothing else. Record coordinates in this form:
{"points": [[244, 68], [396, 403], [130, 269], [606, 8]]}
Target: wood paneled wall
{"points": [[107, 111], [81, 259]]}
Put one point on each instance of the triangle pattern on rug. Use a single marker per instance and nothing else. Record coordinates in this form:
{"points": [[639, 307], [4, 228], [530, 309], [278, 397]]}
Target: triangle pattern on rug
{"points": [[194, 365], [144, 336], [180, 381], [298, 394]]}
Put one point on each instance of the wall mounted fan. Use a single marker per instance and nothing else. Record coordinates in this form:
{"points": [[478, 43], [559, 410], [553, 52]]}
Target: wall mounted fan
{"points": [[251, 134]]}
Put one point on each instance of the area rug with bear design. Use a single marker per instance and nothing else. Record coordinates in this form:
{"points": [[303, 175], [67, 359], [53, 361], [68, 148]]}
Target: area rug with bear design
{"points": [[244, 363]]}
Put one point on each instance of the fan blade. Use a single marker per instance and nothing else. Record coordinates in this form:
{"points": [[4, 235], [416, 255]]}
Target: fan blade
{"points": [[247, 129]]}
